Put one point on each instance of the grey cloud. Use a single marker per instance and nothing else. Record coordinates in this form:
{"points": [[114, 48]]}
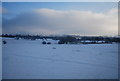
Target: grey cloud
{"points": [[50, 21]]}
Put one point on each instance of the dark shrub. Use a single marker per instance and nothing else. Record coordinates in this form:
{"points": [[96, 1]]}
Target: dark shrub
{"points": [[49, 43], [4, 42], [43, 42]]}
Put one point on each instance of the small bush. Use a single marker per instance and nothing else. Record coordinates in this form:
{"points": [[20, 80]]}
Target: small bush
{"points": [[4, 42], [49, 43], [43, 42]]}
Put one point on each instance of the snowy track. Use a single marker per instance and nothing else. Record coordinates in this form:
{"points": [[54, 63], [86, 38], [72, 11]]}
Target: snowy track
{"points": [[24, 59]]}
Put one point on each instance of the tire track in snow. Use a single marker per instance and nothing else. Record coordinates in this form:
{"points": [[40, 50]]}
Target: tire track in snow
{"points": [[68, 61]]}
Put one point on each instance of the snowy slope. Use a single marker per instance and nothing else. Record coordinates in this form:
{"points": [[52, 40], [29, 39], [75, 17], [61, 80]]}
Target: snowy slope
{"points": [[26, 59]]}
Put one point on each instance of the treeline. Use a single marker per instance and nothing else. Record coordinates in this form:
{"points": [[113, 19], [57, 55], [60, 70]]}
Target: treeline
{"points": [[31, 37], [66, 39], [101, 38]]}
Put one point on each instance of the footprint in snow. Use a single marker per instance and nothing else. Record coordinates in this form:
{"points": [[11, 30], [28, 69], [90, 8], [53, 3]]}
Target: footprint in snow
{"points": [[53, 48]]}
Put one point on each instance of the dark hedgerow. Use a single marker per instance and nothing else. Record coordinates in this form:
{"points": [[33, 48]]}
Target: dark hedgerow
{"points": [[67, 39]]}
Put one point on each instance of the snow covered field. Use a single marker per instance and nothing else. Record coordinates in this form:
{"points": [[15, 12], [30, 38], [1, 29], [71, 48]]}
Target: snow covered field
{"points": [[27, 59]]}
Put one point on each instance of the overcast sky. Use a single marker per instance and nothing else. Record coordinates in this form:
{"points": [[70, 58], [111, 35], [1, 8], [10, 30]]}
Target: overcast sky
{"points": [[58, 18]]}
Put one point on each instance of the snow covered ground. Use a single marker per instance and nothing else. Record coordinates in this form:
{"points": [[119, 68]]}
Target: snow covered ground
{"points": [[27, 59]]}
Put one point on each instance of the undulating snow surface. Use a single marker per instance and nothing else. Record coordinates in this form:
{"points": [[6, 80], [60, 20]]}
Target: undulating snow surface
{"points": [[27, 59]]}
